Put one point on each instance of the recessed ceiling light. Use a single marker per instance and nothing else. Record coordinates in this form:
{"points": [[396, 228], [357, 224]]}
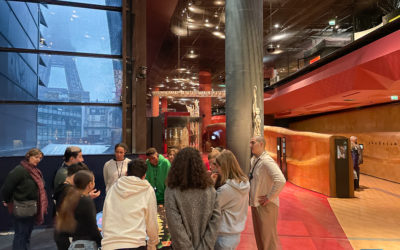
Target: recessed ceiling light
{"points": [[276, 26], [219, 34], [219, 2], [279, 37]]}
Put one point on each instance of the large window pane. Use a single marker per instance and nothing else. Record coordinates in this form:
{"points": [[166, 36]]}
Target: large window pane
{"points": [[81, 30], [115, 3], [17, 129], [18, 78], [80, 79], [93, 128], [17, 26]]}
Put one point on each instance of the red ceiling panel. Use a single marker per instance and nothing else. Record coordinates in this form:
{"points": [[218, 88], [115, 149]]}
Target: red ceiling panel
{"points": [[366, 76]]}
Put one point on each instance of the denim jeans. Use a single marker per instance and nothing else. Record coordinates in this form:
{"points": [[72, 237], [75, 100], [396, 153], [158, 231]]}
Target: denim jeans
{"points": [[83, 245], [227, 242], [23, 229]]}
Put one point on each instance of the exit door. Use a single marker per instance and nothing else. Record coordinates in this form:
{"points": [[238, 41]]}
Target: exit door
{"points": [[281, 154]]}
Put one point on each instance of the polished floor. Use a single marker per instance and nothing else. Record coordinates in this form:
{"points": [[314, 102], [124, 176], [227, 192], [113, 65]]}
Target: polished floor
{"points": [[308, 220], [372, 219]]}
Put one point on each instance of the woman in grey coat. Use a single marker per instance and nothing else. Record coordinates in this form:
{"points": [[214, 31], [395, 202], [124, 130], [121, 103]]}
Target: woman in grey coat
{"points": [[191, 206]]}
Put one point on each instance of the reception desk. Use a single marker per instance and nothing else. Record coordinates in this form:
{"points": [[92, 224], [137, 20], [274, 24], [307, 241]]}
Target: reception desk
{"points": [[318, 162]]}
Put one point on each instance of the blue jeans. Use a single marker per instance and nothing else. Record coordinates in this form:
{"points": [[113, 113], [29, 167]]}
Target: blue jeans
{"points": [[227, 242], [23, 229], [83, 245]]}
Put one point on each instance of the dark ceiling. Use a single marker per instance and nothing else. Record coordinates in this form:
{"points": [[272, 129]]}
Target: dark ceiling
{"points": [[296, 29]]}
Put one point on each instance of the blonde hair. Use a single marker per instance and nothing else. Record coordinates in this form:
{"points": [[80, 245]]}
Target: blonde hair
{"points": [[230, 168], [213, 154]]}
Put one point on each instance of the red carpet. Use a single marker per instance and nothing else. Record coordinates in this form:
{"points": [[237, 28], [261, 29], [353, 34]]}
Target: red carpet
{"points": [[306, 221]]}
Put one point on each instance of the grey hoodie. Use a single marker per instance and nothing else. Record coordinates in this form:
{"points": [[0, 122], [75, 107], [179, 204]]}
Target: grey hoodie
{"points": [[233, 198], [129, 214]]}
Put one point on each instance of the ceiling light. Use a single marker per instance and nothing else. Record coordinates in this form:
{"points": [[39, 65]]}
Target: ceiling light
{"points": [[219, 34], [196, 9], [276, 26], [277, 51], [279, 37], [193, 26], [217, 27], [179, 31], [394, 97], [332, 22], [192, 56], [216, 14], [209, 25], [270, 48], [220, 3], [206, 20], [278, 46]]}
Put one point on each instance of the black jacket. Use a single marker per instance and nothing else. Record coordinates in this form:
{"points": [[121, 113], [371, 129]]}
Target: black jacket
{"points": [[19, 185]]}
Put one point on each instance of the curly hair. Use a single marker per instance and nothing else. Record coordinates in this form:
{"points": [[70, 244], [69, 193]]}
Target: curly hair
{"points": [[188, 171]]}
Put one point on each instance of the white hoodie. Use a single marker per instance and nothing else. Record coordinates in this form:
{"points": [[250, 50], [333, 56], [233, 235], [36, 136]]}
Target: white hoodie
{"points": [[129, 214], [233, 198]]}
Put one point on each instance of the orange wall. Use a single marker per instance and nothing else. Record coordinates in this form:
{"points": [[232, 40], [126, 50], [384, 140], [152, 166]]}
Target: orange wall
{"points": [[308, 157], [378, 128]]}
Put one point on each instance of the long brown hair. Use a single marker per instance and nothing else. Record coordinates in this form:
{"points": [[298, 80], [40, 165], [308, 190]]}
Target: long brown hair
{"points": [[188, 171], [230, 168], [65, 221]]}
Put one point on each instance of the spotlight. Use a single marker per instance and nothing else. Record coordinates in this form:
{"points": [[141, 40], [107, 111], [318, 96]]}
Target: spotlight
{"points": [[270, 48]]}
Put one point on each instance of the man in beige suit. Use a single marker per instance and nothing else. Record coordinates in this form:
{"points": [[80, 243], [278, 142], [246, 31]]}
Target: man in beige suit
{"points": [[266, 182]]}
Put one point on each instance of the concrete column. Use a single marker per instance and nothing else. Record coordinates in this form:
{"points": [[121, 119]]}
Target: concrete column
{"points": [[155, 105], [205, 103], [244, 70], [164, 105]]}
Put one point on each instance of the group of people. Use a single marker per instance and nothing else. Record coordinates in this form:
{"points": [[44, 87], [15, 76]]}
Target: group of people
{"points": [[205, 209]]}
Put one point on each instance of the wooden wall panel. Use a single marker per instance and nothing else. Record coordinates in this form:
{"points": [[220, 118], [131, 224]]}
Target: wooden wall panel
{"points": [[309, 164], [378, 128], [384, 118]]}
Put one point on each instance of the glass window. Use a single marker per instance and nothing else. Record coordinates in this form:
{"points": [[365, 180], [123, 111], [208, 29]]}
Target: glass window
{"points": [[78, 126], [17, 135], [81, 30], [80, 79], [18, 30], [60, 78], [18, 79], [115, 3]]}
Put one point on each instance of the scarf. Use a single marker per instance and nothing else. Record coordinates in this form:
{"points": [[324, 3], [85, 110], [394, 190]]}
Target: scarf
{"points": [[42, 203]]}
